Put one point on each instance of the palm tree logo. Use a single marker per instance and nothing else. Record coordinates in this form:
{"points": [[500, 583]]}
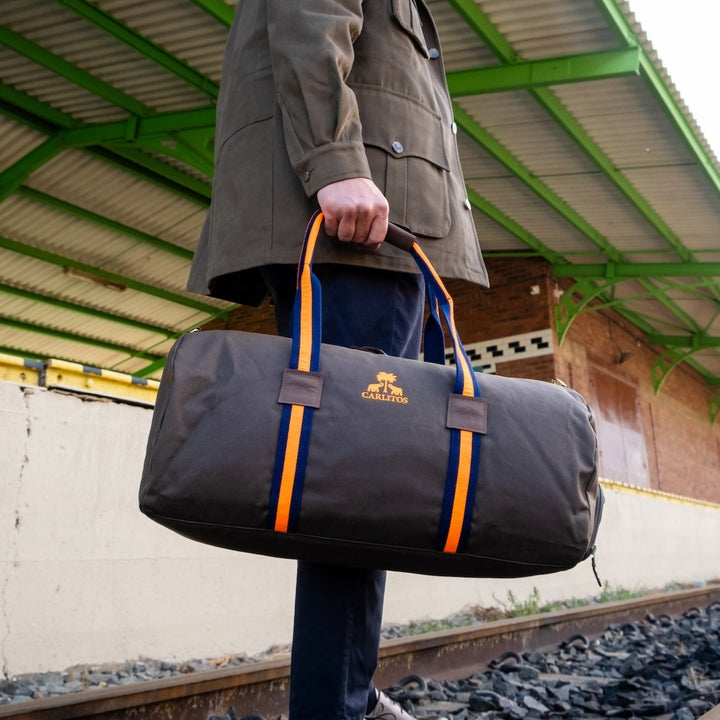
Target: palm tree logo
{"points": [[386, 379], [384, 387]]}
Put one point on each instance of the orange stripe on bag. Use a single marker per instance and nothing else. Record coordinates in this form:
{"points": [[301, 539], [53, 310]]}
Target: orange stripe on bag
{"points": [[461, 492], [292, 448], [308, 298]]}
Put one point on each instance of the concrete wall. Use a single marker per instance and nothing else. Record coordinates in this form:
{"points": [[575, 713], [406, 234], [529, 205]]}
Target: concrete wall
{"points": [[85, 578]]}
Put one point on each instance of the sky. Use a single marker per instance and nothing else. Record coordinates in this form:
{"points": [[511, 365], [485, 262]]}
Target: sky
{"points": [[684, 35]]}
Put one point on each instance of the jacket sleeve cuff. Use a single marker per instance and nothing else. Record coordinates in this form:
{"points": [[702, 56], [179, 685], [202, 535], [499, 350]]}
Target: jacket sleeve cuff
{"points": [[331, 163]]}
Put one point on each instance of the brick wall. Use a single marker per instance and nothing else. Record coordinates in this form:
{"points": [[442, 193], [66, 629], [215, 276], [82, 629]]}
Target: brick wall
{"points": [[682, 447], [509, 306]]}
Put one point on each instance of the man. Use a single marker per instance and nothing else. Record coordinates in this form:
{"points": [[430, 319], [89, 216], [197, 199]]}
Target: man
{"points": [[340, 104]]}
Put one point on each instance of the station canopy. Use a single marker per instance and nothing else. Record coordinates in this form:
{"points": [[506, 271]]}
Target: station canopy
{"points": [[576, 148]]}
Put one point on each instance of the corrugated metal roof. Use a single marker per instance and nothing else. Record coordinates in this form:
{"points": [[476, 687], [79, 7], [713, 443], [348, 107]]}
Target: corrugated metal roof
{"points": [[575, 145]]}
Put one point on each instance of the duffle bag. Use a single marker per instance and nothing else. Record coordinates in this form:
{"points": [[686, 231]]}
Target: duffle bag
{"points": [[293, 448]]}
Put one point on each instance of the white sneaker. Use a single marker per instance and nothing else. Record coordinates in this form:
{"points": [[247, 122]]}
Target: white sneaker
{"points": [[386, 709]]}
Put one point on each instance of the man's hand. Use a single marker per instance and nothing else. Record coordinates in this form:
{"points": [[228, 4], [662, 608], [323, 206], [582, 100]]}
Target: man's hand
{"points": [[356, 211]]}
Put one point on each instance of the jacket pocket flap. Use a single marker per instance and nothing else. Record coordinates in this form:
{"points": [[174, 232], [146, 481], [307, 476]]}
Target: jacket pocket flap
{"points": [[401, 125]]}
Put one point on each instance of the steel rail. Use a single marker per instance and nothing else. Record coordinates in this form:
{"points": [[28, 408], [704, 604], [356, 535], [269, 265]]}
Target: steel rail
{"points": [[261, 688]]}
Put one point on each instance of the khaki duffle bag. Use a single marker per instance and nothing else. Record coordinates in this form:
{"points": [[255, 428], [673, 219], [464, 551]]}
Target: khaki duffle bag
{"points": [[290, 448]]}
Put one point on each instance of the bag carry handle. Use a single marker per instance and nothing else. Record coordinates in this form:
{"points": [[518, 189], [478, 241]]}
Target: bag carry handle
{"points": [[302, 388], [307, 311]]}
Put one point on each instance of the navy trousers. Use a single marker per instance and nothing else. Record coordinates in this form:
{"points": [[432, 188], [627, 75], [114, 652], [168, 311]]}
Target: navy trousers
{"points": [[338, 610]]}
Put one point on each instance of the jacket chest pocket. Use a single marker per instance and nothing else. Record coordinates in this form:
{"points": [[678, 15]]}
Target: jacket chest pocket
{"points": [[406, 15]]}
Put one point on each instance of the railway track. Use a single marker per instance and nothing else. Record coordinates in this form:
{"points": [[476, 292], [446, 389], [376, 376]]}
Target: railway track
{"points": [[261, 688]]}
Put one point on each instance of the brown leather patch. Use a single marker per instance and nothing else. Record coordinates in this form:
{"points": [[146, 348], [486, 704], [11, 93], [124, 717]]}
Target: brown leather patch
{"points": [[467, 413], [301, 388]]}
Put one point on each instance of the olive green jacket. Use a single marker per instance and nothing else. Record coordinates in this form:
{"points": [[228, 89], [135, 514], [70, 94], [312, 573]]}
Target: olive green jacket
{"points": [[315, 91]]}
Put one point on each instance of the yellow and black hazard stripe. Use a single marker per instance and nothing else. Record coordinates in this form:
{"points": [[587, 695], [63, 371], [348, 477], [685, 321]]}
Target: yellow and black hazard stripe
{"points": [[56, 374]]}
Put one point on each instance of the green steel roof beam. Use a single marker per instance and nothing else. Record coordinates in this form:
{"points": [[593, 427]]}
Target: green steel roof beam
{"points": [[219, 9], [486, 31], [142, 45], [114, 278], [34, 112], [162, 134], [74, 74], [541, 73], [622, 27], [85, 310], [139, 128], [504, 52], [502, 155], [150, 369], [155, 171], [188, 148], [121, 132], [102, 221], [573, 128], [481, 136], [75, 337], [44, 118], [694, 342], [494, 213], [12, 177], [637, 270]]}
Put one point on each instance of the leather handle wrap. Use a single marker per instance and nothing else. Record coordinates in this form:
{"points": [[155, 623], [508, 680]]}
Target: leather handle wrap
{"points": [[399, 237]]}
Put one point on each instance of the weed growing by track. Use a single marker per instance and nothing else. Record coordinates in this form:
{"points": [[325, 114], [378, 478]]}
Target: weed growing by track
{"points": [[513, 607]]}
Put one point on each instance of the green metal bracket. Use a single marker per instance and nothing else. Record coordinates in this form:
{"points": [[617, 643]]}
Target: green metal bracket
{"points": [[575, 301], [666, 363], [678, 349], [714, 407]]}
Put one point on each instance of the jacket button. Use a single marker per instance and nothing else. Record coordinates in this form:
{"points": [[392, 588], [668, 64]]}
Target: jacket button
{"points": [[453, 127], [467, 204], [306, 176], [433, 53], [398, 147]]}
